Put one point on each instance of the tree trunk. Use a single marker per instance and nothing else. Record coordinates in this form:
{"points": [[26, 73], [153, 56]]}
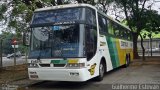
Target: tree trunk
{"points": [[1, 51], [53, 2], [143, 50], [59, 2], [151, 45], [135, 52]]}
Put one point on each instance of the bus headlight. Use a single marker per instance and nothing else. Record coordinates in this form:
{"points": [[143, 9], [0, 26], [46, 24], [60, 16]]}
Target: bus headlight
{"points": [[75, 65], [32, 65]]}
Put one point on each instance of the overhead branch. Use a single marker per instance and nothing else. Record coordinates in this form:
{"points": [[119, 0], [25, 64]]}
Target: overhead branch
{"points": [[126, 14], [144, 2]]}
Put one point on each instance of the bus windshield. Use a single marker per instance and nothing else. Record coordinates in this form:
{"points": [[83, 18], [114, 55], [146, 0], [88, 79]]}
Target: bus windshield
{"points": [[56, 41], [62, 33]]}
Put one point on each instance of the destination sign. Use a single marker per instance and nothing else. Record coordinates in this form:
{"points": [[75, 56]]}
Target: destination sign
{"points": [[57, 16]]}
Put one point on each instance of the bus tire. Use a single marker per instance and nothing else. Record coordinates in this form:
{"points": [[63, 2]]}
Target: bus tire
{"points": [[101, 71], [127, 61]]}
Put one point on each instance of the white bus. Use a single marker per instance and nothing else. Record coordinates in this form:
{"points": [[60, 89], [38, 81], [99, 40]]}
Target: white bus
{"points": [[76, 43]]}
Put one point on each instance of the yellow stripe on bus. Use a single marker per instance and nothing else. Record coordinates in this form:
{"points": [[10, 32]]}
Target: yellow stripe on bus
{"points": [[120, 52], [73, 61]]}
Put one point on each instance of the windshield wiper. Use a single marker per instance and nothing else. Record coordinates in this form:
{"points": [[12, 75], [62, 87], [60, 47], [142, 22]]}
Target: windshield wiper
{"points": [[39, 56]]}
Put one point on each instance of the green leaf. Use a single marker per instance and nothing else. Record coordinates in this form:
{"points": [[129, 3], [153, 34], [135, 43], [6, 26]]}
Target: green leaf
{"points": [[12, 23], [3, 8], [28, 16]]}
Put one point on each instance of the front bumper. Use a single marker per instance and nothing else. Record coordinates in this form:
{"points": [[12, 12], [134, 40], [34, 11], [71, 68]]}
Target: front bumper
{"points": [[59, 74]]}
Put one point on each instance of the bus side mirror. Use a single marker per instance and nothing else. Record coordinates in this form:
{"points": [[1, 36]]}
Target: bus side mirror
{"points": [[26, 38]]}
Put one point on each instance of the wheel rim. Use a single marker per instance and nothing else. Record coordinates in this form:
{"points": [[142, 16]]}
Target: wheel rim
{"points": [[101, 69], [126, 61]]}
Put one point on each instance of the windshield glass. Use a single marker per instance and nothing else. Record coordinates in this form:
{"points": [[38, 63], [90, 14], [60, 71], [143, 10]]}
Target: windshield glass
{"points": [[56, 41]]}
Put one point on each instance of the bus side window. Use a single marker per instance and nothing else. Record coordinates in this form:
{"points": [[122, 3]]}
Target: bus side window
{"points": [[110, 27], [126, 34], [122, 33], [91, 16], [131, 36], [116, 30], [102, 22]]}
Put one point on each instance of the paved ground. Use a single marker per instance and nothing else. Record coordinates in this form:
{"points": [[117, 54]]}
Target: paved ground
{"points": [[10, 73], [139, 73]]}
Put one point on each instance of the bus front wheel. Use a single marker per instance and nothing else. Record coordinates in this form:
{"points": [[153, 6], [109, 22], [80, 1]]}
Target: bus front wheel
{"points": [[101, 72]]}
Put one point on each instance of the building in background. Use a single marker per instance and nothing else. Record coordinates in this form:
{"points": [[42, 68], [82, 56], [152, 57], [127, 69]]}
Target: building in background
{"points": [[146, 43]]}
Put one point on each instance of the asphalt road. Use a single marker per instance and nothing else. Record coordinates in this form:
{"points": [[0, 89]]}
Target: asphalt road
{"points": [[136, 75]]}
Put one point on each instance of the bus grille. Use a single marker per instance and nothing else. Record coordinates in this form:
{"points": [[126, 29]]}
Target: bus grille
{"points": [[59, 65], [44, 65], [54, 65]]}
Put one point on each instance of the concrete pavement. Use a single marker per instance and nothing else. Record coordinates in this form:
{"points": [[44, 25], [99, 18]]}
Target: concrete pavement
{"points": [[138, 73]]}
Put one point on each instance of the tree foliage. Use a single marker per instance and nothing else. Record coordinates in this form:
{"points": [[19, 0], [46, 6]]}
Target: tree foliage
{"points": [[138, 18], [17, 14], [7, 48]]}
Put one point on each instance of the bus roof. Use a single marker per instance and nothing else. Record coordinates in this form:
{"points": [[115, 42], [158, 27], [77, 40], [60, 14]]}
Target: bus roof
{"points": [[65, 6], [78, 5]]}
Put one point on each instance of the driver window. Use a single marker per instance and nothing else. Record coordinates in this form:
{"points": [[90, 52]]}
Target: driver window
{"points": [[91, 41]]}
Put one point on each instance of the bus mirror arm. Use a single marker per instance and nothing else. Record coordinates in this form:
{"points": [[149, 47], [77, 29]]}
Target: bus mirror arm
{"points": [[26, 39]]}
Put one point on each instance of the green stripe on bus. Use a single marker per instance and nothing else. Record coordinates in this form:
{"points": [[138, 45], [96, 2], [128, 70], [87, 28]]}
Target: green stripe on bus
{"points": [[59, 61], [113, 51]]}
